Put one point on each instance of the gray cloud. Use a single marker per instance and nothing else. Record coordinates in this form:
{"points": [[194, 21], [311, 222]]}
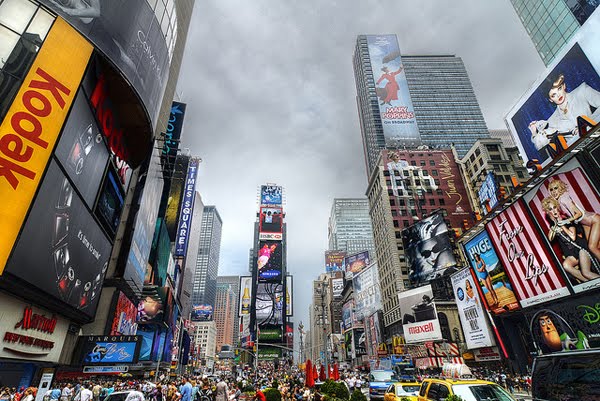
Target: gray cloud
{"points": [[271, 98]]}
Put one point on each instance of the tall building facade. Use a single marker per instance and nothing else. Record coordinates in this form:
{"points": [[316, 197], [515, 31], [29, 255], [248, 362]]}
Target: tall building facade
{"points": [[551, 23], [407, 101], [349, 227], [225, 310], [234, 283], [204, 288]]}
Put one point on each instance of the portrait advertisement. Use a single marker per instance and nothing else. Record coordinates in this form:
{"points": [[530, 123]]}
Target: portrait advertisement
{"points": [[544, 120], [403, 175], [269, 260], [271, 222], [498, 294], [566, 207]]}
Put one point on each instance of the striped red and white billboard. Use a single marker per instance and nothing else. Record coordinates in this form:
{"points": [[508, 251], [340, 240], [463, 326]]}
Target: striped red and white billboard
{"points": [[527, 260]]}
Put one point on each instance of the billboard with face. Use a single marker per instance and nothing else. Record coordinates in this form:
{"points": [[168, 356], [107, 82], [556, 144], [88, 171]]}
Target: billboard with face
{"points": [[124, 317], [528, 263], [419, 315], [428, 249], [488, 198], [403, 174], [271, 195], [61, 234], [497, 291], [153, 307], [334, 261], [395, 105], [470, 309], [367, 293], [269, 304], [544, 121], [269, 260], [566, 207], [354, 264], [270, 223]]}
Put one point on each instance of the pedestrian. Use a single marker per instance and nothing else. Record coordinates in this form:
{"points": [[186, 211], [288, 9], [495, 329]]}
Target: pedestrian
{"points": [[259, 395], [222, 391]]}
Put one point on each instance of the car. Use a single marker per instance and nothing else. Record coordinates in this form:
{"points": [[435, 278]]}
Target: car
{"points": [[379, 381], [435, 389], [567, 375], [120, 396], [401, 390]]}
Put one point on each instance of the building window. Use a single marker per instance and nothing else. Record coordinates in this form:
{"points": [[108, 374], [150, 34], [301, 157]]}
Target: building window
{"points": [[431, 202], [432, 162], [442, 202], [434, 172]]}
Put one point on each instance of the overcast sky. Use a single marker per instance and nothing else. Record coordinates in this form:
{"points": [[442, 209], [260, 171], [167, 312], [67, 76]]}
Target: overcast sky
{"points": [[270, 96]]}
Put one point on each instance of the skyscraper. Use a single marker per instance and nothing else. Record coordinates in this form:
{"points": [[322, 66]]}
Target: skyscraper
{"points": [[204, 288], [225, 310], [551, 23], [234, 283], [407, 101], [350, 226]]}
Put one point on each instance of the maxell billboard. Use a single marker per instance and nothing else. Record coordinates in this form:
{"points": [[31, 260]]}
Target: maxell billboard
{"points": [[395, 104], [419, 315], [187, 207]]}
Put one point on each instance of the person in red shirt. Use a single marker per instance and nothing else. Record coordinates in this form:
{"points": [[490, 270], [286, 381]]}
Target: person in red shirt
{"points": [[259, 396]]}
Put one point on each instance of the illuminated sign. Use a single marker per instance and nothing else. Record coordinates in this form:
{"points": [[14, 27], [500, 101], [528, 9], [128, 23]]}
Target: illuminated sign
{"points": [[185, 219], [31, 126]]}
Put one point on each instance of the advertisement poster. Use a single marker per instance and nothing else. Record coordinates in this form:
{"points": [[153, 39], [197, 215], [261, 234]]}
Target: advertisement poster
{"points": [[367, 293], [67, 241], [355, 263], [488, 193], [124, 320], [153, 307], [348, 344], [337, 285], [544, 121], [428, 249], [334, 261], [566, 207], [419, 315], [395, 105], [568, 324], [528, 263], [175, 195], [269, 261], [271, 195], [269, 304], [289, 295], [270, 223], [359, 344], [172, 136], [201, 313], [184, 226], [403, 175], [347, 315], [470, 310], [495, 286], [245, 295], [110, 349]]}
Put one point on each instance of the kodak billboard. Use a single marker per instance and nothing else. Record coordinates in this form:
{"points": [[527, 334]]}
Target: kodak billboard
{"points": [[33, 123]]}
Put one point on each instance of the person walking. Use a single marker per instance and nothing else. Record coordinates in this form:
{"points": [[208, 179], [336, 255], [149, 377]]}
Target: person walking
{"points": [[222, 392]]}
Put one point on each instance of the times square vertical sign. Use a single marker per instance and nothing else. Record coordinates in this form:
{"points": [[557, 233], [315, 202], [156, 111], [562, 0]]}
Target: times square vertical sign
{"points": [[185, 218]]}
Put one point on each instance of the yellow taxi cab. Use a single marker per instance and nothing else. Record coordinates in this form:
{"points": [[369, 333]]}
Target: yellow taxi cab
{"points": [[435, 389], [403, 390]]}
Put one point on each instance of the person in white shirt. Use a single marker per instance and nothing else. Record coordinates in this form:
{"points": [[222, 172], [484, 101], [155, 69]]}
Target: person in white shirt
{"points": [[86, 393]]}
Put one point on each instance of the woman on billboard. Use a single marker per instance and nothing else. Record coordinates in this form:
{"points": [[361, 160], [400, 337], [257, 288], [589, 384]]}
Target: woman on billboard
{"points": [[578, 260], [581, 101], [484, 277], [391, 87], [576, 214]]}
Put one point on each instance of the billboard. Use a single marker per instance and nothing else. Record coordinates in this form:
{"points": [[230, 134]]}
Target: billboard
{"points": [[347, 315], [529, 265], [495, 286], [269, 304], [187, 207], [544, 121], [289, 295], [61, 234], [355, 263], [565, 207], [175, 195], [110, 202], [367, 293], [395, 105], [359, 345], [153, 307], [145, 224], [147, 339], [334, 261], [568, 324], [337, 286], [270, 223], [488, 193], [81, 150], [245, 295], [268, 353], [172, 136], [107, 350], [428, 249], [271, 195], [124, 316], [202, 313], [403, 175], [269, 260], [470, 310], [129, 34], [419, 315], [28, 139]]}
